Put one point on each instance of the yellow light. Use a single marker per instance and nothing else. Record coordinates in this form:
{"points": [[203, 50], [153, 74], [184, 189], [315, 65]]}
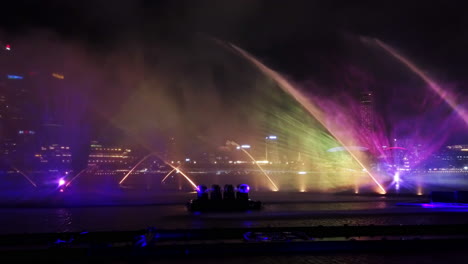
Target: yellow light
{"points": [[58, 76]]}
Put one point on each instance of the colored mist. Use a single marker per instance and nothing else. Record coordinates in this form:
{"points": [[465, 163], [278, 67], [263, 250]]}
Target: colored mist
{"points": [[313, 110], [298, 140], [444, 94]]}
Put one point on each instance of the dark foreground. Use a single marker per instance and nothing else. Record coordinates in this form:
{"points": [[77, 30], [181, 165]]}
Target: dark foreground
{"points": [[320, 244], [292, 227]]}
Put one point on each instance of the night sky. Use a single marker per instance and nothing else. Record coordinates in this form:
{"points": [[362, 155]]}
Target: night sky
{"points": [[316, 41], [433, 32]]}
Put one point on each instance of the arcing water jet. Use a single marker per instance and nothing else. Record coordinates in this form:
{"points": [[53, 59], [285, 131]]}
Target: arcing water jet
{"points": [[78, 175], [275, 188], [167, 175], [444, 94], [26, 177], [312, 109], [156, 155]]}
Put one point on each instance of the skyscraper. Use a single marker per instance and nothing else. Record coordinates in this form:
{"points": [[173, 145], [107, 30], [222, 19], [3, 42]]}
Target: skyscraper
{"points": [[271, 149], [366, 109]]}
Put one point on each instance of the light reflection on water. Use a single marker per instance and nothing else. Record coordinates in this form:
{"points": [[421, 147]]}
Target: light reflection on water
{"points": [[287, 212]]}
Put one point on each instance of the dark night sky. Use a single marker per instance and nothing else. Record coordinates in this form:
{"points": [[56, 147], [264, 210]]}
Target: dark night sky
{"points": [[303, 39], [433, 32]]}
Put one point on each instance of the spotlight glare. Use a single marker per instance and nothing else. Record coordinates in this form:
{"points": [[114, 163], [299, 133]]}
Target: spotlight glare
{"points": [[61, 182]]}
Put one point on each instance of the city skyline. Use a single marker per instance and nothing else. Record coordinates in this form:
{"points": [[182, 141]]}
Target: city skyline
{"points": [[356, 99]]}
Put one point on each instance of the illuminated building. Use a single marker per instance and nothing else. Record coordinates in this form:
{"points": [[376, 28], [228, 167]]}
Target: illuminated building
{"points": [[366, 111], [33, 106], [110, 157], [451, 158], [271, 149], [53, 158], [172, 152]]}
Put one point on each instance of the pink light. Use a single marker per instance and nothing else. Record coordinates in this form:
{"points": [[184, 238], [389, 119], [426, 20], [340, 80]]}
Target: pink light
{"points": [[396, 148], [7, 47]]}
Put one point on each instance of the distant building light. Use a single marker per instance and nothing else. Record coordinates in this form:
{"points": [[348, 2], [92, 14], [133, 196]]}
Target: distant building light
{"points": [[262, 161], [187, 159], [301, 172], [30, 132], [245, 146], [271, 137], [58, 76], [14, 77]]}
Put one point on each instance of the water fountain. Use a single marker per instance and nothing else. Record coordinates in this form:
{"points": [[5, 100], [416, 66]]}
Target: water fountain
{"points": [[25, 176], [167, 163], [311, 108], [275, 188]]}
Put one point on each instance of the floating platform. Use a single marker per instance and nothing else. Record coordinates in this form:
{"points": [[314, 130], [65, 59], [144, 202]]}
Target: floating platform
{"points": [[230, 200]]}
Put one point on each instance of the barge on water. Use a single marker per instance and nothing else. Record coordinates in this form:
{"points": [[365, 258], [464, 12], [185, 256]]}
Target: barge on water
{"points": [[230, 199]]}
